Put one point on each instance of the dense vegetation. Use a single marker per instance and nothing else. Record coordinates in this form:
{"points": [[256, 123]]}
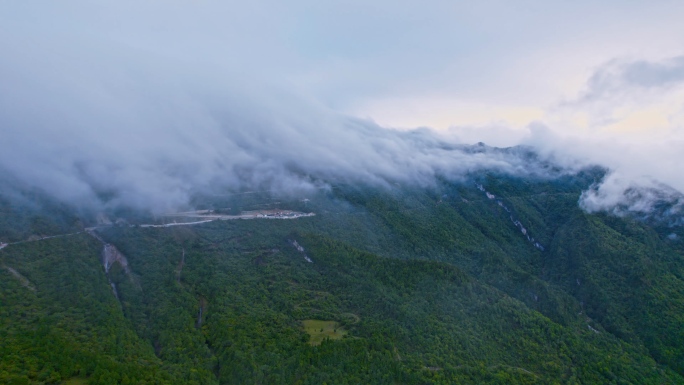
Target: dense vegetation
{"points": [[426, 285]]}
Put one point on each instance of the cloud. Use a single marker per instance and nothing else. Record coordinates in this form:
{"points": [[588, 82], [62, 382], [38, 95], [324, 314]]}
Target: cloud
{"points": [[107, 128], [617, 75], [630, 119], [619, 194], [143, 104]]}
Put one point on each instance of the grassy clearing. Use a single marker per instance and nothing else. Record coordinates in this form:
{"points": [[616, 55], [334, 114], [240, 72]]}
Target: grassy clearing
{"points": [[320, 330]]}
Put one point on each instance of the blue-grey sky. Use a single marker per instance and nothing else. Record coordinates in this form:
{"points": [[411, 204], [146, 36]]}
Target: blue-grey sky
{"points": [[78, 76], [398, 62]]}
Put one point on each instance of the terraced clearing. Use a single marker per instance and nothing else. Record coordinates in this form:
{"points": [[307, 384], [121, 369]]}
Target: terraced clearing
{"points": [[320, 330]]}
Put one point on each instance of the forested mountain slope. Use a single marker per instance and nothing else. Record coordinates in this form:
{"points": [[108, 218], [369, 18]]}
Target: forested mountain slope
{"points": [[491, 280]]}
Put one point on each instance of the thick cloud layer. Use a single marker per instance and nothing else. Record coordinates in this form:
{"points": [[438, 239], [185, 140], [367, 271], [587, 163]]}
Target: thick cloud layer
{"points": [[141, 106], [97, 130], [153, 149]]}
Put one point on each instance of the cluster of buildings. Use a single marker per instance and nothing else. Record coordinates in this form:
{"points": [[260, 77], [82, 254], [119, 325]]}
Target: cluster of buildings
{"points": [[282, 214]]}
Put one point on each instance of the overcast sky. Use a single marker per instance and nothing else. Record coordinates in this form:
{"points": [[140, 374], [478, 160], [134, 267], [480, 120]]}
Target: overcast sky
{"points": [[548, 73], [405, 64]]}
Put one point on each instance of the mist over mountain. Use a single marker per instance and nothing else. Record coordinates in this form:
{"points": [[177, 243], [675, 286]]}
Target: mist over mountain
{"points": [[108, 119], [151, 149], [109, 132]]}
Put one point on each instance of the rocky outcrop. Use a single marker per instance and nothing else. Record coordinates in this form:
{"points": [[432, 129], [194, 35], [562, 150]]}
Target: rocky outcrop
{"points": [[111, 255]]}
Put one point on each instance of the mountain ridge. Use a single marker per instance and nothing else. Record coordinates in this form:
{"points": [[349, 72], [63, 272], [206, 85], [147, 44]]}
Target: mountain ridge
{"points": [[384, 264]]}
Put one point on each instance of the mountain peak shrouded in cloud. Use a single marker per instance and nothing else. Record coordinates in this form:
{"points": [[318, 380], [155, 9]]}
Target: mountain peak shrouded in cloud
{"points": [[116, 104], [146, 144]]}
